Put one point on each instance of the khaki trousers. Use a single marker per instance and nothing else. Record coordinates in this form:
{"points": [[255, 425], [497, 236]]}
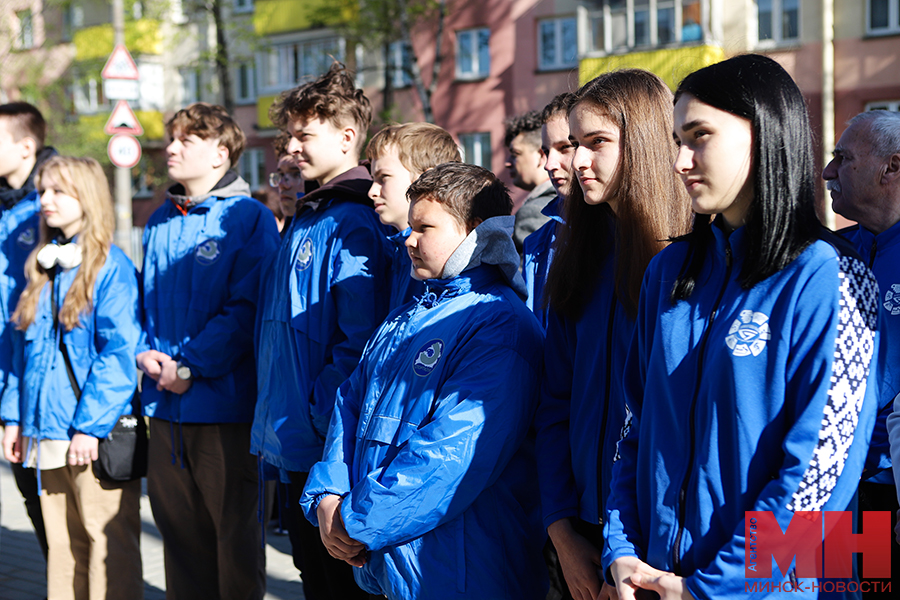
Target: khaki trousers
{"points": [[93, 534]]}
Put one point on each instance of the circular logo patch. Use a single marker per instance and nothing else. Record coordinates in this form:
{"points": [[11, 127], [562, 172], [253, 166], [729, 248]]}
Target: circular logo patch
{"points": [[27, 238], [748, 334], [305, 255], [892, 300], [427, 358], [208, 252]]}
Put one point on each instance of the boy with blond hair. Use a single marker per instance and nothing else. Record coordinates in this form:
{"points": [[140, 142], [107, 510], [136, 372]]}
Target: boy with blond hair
{"points": [[323, 298], [399, 154], [202, 251]]}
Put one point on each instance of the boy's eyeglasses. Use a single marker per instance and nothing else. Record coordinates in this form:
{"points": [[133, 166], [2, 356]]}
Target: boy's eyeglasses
{"points": [[290, 178]]}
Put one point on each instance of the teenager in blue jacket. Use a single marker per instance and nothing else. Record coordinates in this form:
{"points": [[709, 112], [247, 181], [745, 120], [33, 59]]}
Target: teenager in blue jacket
{"points": [[82, 295], [625, 204], [752, 376], [426, 483]]}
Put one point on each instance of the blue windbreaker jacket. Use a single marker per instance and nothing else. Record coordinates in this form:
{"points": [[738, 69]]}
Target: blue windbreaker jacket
{"points": [[201, 284], [582, 408], [882, 254], [40, 398], [761, 399], [404, 287], [428, 445], [324, 297], [538, 250]]}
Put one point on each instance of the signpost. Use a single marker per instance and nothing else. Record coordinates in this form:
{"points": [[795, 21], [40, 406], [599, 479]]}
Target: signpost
{"points": [[124, 151]]}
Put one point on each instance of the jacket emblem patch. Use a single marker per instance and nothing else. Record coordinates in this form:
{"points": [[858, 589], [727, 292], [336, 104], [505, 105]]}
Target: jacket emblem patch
{"points": [[427, 358], [208, 252], [748, 334], [305, 255], [892, 300], [27, 238]]}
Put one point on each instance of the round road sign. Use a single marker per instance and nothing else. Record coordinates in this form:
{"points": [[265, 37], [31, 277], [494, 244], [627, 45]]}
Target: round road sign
{"points": [[124, 150]]}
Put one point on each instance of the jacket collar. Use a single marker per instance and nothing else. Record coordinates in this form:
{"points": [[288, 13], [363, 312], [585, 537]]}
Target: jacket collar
{"points": [[885, 239], [351, 185], [230, 185], [437, 290], [9, 197]]}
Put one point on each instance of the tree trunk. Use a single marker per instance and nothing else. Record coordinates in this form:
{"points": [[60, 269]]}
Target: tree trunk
{"points": [[222, 61], [424, 92]]}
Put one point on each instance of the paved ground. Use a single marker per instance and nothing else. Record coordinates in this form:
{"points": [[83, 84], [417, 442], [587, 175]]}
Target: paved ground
{"points": [[22, 567]]}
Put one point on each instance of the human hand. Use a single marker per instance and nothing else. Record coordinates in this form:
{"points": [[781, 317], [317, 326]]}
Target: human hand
{"points": [[334, 536], [169, 379], [150, 362], [608, 592], [625, 569], [667, 585], [12, 444], [82, 449], [579, 560]]}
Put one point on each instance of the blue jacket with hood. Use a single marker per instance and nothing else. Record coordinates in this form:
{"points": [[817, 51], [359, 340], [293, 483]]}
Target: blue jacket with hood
{"points": [[39, 396], [428, 444], [742, 400], [404, 287], [538, 250], [323, 298], [582, 409], [201, 274], [19, 222], [882, 254]]}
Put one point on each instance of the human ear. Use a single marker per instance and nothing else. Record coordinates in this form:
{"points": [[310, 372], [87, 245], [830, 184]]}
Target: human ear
{"points": [[28, 146], [348, 139], [222, 157], [891, 170]]}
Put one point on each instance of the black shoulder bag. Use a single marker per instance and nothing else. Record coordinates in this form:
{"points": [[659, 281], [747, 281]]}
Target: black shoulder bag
{"points": [[122, 455]]}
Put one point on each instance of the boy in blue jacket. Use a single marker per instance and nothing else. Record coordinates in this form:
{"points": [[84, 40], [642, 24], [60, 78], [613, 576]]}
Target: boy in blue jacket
{"points": [[325, 294], [202, 251], [428, 476]]}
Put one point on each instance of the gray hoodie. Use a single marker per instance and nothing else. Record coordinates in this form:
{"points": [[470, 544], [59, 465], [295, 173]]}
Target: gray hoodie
{"points": [[490, 243]]}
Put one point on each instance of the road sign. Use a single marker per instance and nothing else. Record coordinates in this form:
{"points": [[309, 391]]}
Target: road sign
{"points": [[120, 65], [122, 120], [121, 89], [124, 150]]}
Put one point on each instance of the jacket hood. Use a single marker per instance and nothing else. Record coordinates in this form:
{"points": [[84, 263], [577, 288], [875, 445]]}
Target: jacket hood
{"points": [[229, 186], [351, 186], [490, 243], [9, 197]]}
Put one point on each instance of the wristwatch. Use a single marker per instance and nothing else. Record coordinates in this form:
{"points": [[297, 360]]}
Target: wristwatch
{"points": [[182, 371]]}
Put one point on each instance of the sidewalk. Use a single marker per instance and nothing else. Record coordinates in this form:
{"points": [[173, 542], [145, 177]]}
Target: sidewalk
{"points": [[22, 567]]}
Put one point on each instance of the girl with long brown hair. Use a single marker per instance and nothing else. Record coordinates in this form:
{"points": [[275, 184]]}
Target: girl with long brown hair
{"points": [[626, 204], [73, 376]]}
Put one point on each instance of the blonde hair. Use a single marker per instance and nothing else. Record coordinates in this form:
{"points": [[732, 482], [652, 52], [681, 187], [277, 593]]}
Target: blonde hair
{"points": [[83, 179], [420, 146]]}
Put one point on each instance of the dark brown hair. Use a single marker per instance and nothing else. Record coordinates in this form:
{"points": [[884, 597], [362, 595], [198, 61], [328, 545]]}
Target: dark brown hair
{"points": [[558, 107], [24, 120], [468, 192], [420, 146], [209, 121], [333, 96], [652, 203], [280, 144], [528, 124]]}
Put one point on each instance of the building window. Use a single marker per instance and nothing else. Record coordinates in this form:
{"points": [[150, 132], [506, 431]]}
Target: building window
{"points": [[252, 167], [883, 16], [893, 105], [476, 148], [557, 44], [87, 96], [26, 30], [243, 6], [190, 86], [284, 65], [401, 64], [473, 53], [779, 20], [245, 83], [620, 25]]}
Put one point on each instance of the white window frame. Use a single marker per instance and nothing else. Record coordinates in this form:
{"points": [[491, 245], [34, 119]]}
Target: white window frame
{"points": [[480, 142], [892, 105], [25, 30], [252, 167], [87, 96], [478, 70], [400, 77], [605, 12], [778, 37], [250, 96], [558, 61], [893, 25], [242, 6], [277, 66]]}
